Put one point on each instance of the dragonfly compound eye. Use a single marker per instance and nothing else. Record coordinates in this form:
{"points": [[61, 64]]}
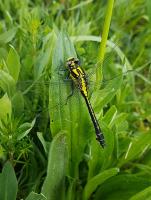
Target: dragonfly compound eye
{"points": [[70, 61], [77, 62]]}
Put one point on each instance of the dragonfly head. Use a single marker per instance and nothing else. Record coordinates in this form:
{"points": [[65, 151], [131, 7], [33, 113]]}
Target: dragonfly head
{"points": [[73, 62]]}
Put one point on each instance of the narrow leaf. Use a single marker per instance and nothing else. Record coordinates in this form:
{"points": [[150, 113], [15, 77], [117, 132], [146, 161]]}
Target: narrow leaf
{"points": [[35, 196], [122, 187], [5, 107], [13, 63], [144, 194], [42, 140], [7, 83], [93, 183], [8, 183], [136, 148], [7, 36], [25, 128]]}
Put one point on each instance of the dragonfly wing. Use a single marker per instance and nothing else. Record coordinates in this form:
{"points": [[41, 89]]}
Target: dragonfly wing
{"points": [[115, 61], [103, 94], [37, 96], [54, 93]]}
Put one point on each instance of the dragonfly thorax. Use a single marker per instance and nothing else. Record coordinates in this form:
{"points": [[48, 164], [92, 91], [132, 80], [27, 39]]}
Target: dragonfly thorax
{"points": [[78, 75], [72, 63]]}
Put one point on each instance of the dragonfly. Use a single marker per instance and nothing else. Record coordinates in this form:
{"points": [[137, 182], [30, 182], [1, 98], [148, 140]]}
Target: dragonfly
{"points": [[78, 76]]}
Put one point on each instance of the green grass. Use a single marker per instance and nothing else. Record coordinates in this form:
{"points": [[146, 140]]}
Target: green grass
{"points": [[48, 148]]}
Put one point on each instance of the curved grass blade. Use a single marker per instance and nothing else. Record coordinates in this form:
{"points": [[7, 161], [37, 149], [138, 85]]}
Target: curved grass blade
{"points": [[97, 180], [144, 194], [8, 182], [35, 196], [114, 188]]}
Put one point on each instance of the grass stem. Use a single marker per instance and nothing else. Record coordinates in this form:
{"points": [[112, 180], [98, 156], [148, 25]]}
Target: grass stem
{"points": [[106, 26]]}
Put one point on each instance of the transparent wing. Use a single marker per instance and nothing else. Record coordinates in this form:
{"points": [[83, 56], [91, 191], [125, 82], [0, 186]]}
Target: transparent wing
{"points": [[39, 95], [115, 62], [48, 99]]}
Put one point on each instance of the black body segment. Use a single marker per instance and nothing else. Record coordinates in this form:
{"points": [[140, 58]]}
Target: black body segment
{"points": [[99, 134]]}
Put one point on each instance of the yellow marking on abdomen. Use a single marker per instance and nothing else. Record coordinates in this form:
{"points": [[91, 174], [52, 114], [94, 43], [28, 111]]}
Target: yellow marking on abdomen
{"points": [[80, 70], [84, 87]]}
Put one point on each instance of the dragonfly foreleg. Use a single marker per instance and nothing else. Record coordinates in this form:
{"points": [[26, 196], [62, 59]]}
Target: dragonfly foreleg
{"points": [[71, 93]]}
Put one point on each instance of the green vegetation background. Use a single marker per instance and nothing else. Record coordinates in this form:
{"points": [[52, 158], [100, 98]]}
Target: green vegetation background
{"points": [[48, 148]]}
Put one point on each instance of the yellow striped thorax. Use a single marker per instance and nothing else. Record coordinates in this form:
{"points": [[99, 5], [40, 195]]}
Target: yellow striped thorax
{"points": [[78, 75]]}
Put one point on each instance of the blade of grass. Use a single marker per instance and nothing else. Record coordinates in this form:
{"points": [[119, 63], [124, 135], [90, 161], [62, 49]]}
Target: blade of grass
{"points": [[97, 180], [81, 4], [104, 39], [144, 194], [35, 196], [8, 183]]}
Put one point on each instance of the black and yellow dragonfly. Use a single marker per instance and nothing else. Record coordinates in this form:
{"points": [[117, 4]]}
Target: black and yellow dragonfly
{"points": [[78, 76]]}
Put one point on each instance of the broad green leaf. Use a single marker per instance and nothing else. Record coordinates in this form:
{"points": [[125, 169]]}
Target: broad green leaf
{"points": [[13, 63], [7, 83], [143, 195], [94, 163], [24, 129], [5, 107], [53, 186], [60, 91], [122, 187], [69, 50], [97, 180], [45, 56], [136, 148], [8, 183], [18, 104], [35, 196], [7, 36], [66, 117]]}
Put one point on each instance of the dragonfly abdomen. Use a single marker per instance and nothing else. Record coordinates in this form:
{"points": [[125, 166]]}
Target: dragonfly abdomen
{"points": [[99, 134]]}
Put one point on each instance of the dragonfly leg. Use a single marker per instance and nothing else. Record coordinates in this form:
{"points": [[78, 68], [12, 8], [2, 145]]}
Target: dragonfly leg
{"points": [[68, 76], [61, 72], [72, 92]]}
